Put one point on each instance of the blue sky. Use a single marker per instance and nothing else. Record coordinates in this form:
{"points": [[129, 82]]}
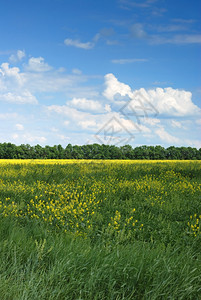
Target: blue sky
{"points": [[113, 72]]}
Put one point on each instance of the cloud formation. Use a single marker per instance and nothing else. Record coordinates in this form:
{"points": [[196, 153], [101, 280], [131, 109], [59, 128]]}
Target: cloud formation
{"points": [[166, 137], [86, 105], [139, 32], [12, 86], [37, 64], [114, 86], [78, 44], [123, 61], [24, 97], [94, 110], [18, 56], [167, 101]]}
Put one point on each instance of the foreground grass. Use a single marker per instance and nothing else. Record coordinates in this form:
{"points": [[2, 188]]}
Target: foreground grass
{"points": [[36, 264], [87, 251]]}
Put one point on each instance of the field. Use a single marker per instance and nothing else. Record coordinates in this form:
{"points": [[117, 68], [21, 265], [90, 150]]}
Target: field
{"points": [[77, 229]]}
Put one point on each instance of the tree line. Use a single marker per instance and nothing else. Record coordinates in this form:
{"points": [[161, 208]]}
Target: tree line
{"points": [[96, 151]]}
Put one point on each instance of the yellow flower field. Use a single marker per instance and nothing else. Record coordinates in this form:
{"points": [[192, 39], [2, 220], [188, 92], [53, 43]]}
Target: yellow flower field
{"points": [[112, 199]]}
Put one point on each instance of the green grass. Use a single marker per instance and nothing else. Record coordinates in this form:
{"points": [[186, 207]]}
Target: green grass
{"points": [[160, 261], [37, 264]]}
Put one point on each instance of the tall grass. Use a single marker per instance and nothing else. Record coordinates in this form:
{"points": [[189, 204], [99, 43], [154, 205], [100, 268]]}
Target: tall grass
{"points": [[159, 260]]}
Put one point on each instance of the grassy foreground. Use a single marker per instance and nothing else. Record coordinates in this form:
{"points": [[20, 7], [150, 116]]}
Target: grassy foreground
{"points": [[100, 230]]}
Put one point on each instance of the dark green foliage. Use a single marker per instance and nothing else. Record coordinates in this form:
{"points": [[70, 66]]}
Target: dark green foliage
{"points": [[96, 151]]}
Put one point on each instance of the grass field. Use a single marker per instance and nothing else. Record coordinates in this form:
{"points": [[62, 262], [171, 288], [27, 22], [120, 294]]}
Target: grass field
{"points": [[74, 229]]}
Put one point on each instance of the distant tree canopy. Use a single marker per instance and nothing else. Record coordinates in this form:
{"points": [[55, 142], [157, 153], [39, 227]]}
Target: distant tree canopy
{"points": [[96, 151]]}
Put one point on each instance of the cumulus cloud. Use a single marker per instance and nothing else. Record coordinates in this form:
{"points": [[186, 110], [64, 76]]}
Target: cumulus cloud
{"points": [[35, 78], [114, 86], [171, 101], [14, 58], [95, 121], [78, 44], [167, 101], [84, 112], [94, 117], [85, 104], [25, 97], [37, 64], [11, 75], [12, 86]]}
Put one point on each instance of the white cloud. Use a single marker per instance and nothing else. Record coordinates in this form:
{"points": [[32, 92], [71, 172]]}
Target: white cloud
{"points": [[171, 101], [138, 32], [151, 121], [17, 56], [29, 138], [166, 137], [194, 143], [70, 112], [176, 124], [167, 101], [123, 61], [87, 124], [107, 108], [113, 87], [103, 34], [94, 121], [12, 86], [85, 104], [19, 127], [37, 64], [11, 75], [78, 44], [17, 84], [24, 98]]}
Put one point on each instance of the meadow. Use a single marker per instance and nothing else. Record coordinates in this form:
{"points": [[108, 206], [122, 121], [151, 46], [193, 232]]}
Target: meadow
{"points": [[92, 229]]}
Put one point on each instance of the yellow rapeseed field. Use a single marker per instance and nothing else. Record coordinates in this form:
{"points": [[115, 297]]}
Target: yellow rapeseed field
{"points": [[119, 199]]}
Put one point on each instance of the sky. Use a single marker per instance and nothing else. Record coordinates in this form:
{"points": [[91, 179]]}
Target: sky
{"points": [[109, 72]]}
